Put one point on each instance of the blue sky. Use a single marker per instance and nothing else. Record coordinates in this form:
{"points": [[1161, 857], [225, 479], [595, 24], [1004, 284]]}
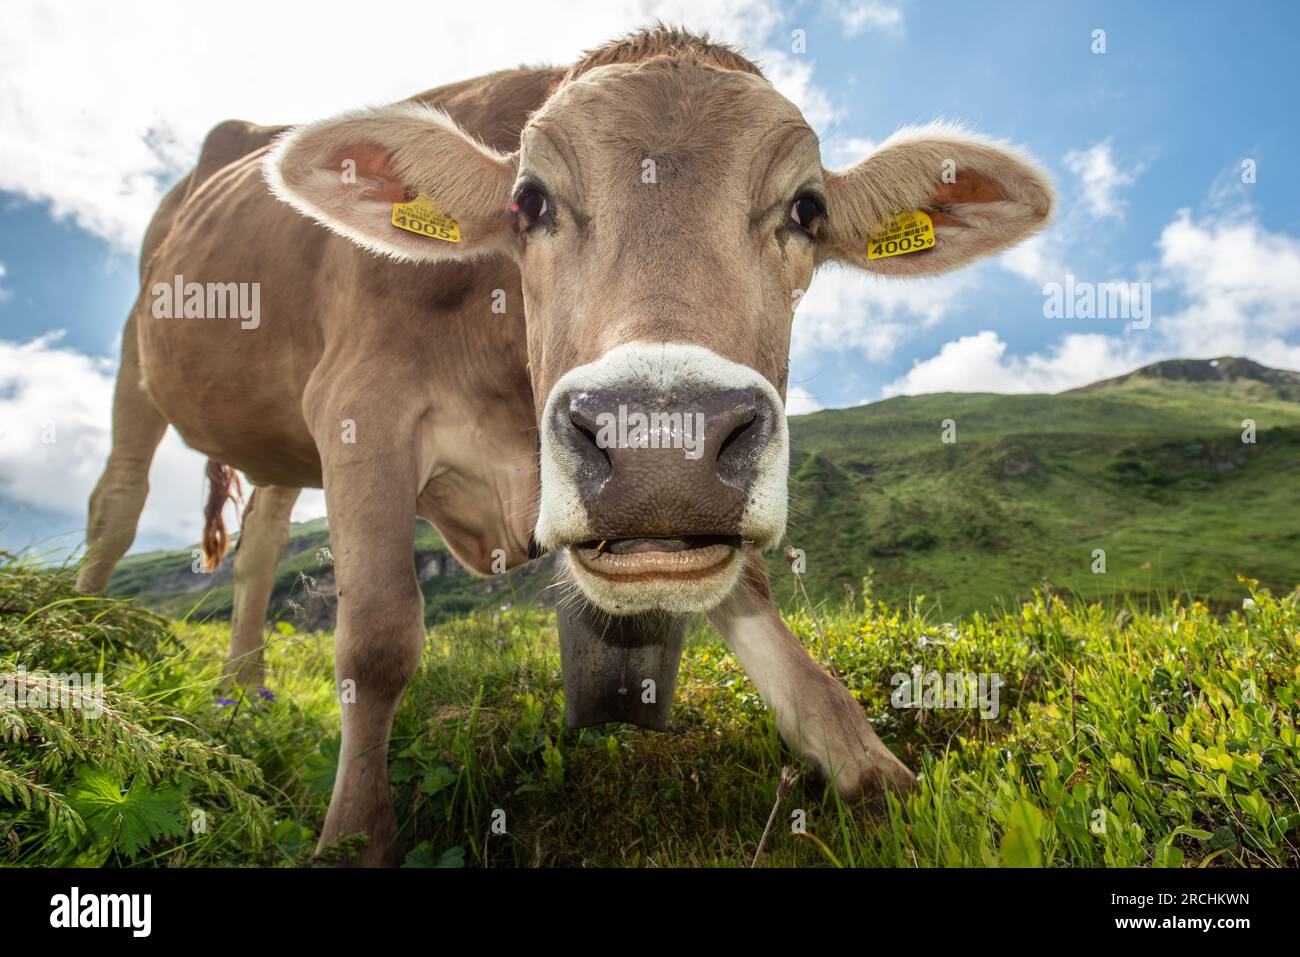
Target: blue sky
{"points": [[1145, 143]]}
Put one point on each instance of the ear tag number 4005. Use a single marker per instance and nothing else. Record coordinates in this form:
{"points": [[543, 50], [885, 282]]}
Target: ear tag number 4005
{"points": [[423, 217], [908, 232]]}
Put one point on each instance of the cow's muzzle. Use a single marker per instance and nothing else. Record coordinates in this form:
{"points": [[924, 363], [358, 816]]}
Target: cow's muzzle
{"points": [[674, 465], [661, 465]]}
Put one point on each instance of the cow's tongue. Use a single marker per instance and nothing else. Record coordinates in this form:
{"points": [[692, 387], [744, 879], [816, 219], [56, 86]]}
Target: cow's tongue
{"points": [[631, 546]]}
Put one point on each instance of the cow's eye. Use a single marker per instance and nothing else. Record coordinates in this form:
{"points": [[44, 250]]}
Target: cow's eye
{"points": [[805, 211], [529, 207]]}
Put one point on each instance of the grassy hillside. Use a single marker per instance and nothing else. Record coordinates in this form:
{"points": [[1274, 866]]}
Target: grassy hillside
{"points": [[1149, 467], [303, 594], [1122, 738]]}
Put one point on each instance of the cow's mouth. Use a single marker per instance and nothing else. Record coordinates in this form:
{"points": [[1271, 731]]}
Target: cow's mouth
{"points": [[638, 559]]}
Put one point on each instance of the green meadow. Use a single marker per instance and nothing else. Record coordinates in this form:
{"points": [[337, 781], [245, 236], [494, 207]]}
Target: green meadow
{"points": [[1124, 736]]}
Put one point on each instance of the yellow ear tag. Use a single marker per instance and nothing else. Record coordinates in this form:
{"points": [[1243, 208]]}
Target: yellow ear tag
{"points": [[907, 232], [423, 217]]}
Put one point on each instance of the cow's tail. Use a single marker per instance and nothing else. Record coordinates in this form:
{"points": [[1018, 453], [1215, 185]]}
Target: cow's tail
{"points": [[223, 485]]}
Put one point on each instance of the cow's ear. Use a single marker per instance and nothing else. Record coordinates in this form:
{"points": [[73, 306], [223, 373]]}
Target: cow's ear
{"points": [[349, 173], [981, 197]]}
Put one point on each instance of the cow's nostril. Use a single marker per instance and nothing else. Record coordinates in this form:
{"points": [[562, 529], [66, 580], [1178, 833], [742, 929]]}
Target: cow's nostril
{"points": [[736, 434], [749, 425], [589, 434]]}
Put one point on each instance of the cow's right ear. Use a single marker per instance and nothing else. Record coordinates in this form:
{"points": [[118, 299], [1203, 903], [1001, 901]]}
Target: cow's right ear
{"points": [[348, 173]]}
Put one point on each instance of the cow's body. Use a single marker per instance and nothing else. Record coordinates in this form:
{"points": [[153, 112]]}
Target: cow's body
{"points": [[634, 233], [336, 319]]}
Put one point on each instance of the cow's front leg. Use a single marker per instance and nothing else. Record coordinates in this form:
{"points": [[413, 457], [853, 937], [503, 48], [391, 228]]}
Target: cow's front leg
{"points": [[370, 493], [817, 716]]}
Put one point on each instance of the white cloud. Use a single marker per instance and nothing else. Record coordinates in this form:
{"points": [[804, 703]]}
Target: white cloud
{"points": [[1101, 179], [55, 414], [979, 363], [1224, 285], [101, 102], [1045, 257], [860, 15], [799, 401], [1037, 259], [1240, 284], [310, 504], [54, 417], [4, 293], [841, 153], [793, 77], [847, 309]]}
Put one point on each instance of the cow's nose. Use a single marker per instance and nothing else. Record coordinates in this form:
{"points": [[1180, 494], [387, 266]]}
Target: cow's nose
{"points": [[664, 465]]}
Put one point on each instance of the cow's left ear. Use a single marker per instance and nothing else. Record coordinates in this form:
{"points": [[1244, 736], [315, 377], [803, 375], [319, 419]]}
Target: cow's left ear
{"points": [[981, 196], [403, 180]]}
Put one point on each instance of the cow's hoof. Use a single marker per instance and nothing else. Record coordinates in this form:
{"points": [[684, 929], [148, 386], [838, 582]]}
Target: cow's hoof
{"points": [[356, 850], [865, 776], [880, 774]]}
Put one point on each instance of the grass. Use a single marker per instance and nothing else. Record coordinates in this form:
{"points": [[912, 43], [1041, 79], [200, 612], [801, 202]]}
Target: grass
{"points": [[1125, 736]]}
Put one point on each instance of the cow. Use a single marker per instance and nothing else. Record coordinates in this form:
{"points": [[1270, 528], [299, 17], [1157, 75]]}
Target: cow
{"points": [[472, 302]]}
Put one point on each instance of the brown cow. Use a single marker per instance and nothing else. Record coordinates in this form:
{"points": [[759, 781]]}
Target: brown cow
{"points": [[647, 234]]}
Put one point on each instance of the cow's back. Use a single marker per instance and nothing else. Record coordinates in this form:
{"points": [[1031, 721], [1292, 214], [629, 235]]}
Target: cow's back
{"points": [[237, 394], [225, 144]]}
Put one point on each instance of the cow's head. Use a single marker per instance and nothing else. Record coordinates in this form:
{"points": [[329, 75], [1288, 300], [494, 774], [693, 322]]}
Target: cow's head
{"points": [[667, 208]]}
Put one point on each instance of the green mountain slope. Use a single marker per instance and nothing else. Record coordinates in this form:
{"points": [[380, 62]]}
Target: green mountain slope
{"points": [[1149, 467], [304, 591]]}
